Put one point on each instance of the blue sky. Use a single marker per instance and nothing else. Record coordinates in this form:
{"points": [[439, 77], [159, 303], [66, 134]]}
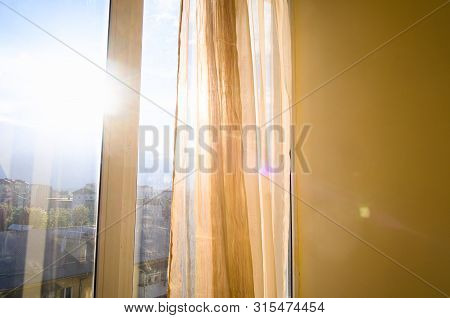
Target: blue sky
{"points": [[52, 101], [159, 76]]}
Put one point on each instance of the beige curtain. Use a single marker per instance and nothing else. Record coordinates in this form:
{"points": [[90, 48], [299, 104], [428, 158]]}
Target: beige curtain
{"points": [[230, 208]]}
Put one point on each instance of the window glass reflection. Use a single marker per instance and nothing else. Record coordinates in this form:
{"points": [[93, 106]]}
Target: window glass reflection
{"points": [[154, 194], [51, 107]]}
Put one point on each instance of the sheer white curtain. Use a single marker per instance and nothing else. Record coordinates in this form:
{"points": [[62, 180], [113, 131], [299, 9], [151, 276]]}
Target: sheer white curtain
{"points": [[230, 208]]}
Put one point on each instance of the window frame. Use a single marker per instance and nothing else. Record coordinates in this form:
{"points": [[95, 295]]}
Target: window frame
{"points": [[118, 181], [115, 268]]}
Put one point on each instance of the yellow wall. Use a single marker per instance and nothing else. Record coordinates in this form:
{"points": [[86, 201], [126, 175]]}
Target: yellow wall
{"points": [[379, 148]]}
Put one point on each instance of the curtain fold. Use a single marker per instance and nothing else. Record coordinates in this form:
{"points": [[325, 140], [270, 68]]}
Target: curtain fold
{"points": [[230, 206]]}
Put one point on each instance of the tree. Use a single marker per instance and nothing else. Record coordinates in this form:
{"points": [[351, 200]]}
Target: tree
{"points": [[80, 216], [17, 216], [58, 218], [37, 218], [4, 213]]}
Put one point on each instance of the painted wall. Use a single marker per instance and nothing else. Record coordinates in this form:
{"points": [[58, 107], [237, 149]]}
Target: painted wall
{"points": [[373, 217]]}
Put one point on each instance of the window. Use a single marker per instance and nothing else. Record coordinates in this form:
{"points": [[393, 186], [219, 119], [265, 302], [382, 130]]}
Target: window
{"points": [[67, 292], [51, 101], [53, 97], [154, 193]]}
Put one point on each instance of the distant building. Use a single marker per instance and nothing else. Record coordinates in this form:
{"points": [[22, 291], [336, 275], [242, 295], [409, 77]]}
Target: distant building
{"points": [[151, 256], [144, 194], [21, 194], [47, 263], [6, 190], [86, 197], [91, 186], [14, 193], [59, 203]]}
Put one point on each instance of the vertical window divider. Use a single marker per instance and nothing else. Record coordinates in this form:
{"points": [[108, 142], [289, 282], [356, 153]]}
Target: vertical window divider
{"points": [[118, 181], [295, 165]]}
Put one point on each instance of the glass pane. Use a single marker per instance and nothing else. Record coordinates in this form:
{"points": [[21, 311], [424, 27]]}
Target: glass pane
{"points": [[159, 77], [51, 106]]}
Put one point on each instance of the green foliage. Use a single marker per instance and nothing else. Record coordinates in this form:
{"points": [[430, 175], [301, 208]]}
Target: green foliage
{"points": [[4, 212], [41, 219], [59, 218], [17, 216], [37, 217], [80, 216]]}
